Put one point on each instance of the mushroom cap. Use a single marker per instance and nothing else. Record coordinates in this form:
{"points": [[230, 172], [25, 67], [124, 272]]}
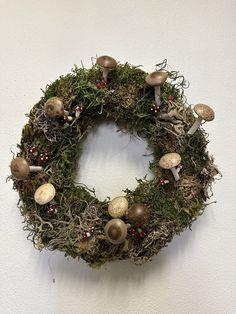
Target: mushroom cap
{"points": [[20, 168], [169, 160], [44, 194], [156, 78], [138, 214], [116, 231], [54, 107], [118, 207], [205, 112], [106, 62]]}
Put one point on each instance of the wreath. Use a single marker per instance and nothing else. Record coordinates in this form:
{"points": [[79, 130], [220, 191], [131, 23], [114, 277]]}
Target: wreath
{"points": [[60, 215]]}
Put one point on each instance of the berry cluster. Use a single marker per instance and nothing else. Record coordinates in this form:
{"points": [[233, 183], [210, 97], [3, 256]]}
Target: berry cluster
{"points": [[88, 233], [52, 209], [137, 232], [101, 84]]}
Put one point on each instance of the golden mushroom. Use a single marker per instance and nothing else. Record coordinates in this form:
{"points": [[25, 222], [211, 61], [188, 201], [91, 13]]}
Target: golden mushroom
{"points": [[44, 194], [116, 231], [21, 169], [118, 207], [204, 112], [156, 79], [171, 161], [106, 63]]}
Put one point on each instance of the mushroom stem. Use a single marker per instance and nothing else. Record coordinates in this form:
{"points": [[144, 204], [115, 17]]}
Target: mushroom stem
{"points": [[105, 73], [157, 92], [195, 126], [35, 168], [175, 173], [77, 114]]}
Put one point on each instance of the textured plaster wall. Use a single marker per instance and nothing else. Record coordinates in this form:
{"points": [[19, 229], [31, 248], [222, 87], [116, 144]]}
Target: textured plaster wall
{"points": [[41, 40]]}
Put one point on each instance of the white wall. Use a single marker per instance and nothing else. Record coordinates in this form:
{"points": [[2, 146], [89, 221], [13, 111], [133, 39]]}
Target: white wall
{"points": [[41, 40]]}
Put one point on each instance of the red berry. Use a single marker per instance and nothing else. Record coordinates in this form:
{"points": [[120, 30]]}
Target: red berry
{"points": [[78, 108], [103, 83], [170, 98], [164, 181], [33, 150], [142, 234], [43, 157], [155, 109], [52, 209], [133, 232], [86, 234], [91, 229]]}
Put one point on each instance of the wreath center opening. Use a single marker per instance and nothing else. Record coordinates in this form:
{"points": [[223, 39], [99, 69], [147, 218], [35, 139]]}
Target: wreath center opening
{"points": [[112, 160]]}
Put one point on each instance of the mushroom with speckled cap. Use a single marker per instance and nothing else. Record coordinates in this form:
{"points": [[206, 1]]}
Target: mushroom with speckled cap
{"points": [[118, 207], [106, 63], [44, 194], [116, 231], [21, 169], [204, 112], [156, 79], [54, 108], [171, 161]]}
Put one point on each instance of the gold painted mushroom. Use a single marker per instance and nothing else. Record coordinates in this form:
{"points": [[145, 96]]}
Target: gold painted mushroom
{"points": [[106, 63], [204, 112], [21, 169], [116, 231], [118, 207], [171, 161], [44, 194], [157, 79]]}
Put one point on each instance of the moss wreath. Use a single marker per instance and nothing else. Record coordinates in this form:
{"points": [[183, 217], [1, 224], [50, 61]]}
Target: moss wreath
{"points": [[60, 215]]}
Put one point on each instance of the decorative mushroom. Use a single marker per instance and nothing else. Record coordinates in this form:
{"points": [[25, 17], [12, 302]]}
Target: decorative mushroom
{"points": [[106, 63], [116, 231], [171, 161], [139, 214], [156, 79], [118, 207], [44, 194], [204, 112], [20, 168], [54, 108]]}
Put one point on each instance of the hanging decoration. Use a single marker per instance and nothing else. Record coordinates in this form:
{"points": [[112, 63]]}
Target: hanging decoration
{"points": [[136, 225]]}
